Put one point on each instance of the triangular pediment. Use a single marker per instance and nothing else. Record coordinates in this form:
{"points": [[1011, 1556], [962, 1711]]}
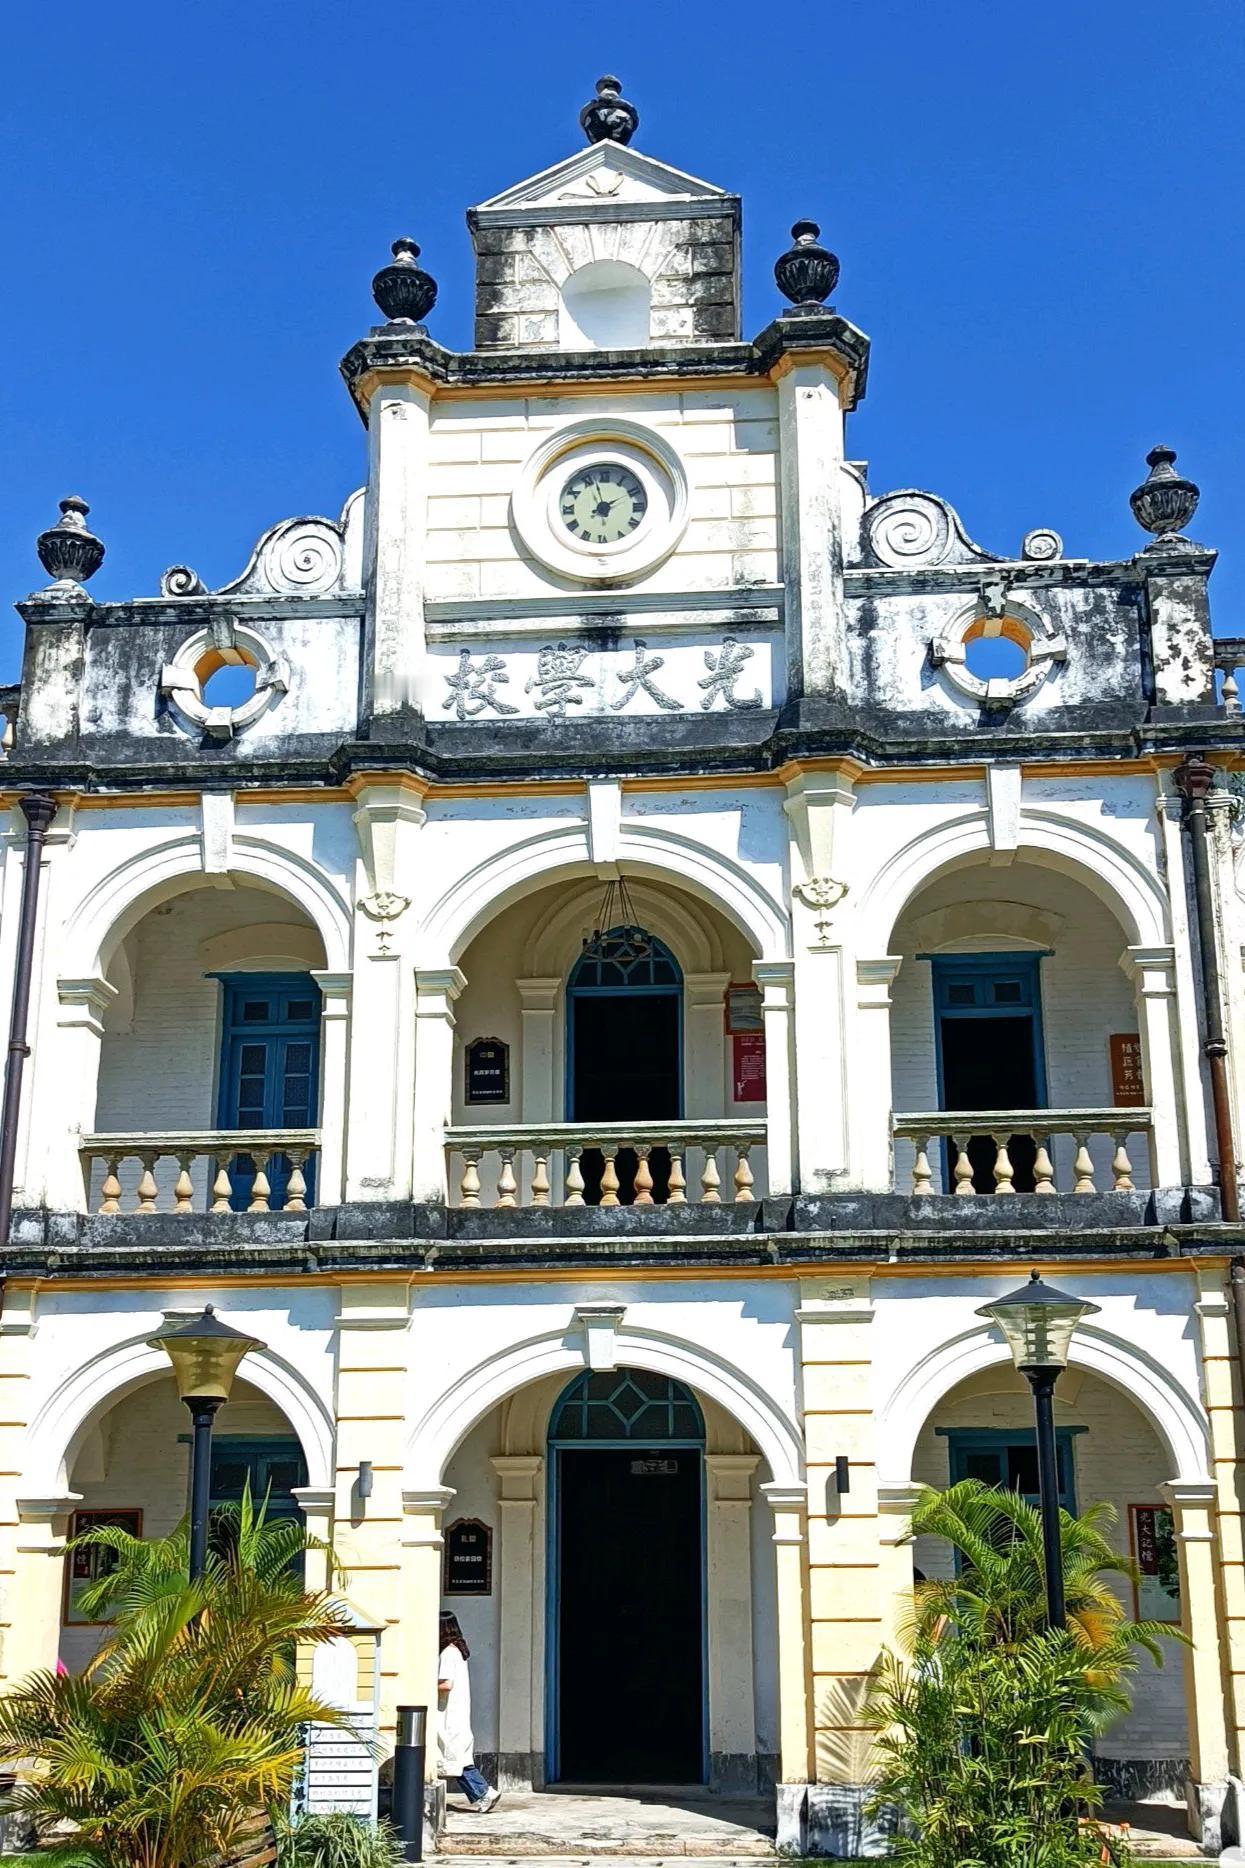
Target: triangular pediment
{"points": [[603, 173]]}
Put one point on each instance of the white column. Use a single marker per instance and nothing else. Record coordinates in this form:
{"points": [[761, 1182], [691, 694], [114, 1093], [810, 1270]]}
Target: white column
{"points": [[423, 1514], [810, 427], [538, 1091], [394, 548], [871, 1107], [335, 990], [732, 1703], [316, 1503], [82, 1004], [1193, 1505], [518, 1663], [436, 989], [38, 1584], [819, 807], [1153, 972], [776, 980], [705, 1044], [789, 1504]]}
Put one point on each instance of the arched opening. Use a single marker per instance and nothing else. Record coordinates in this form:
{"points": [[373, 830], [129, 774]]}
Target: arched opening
{"points": [[605, 306], [131, 1467], [624, 1059], [1011, 998]]}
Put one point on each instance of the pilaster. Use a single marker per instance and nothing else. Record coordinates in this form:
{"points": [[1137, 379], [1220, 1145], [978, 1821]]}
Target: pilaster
{"points": [[810, 428], [23, 1643], [394, 549], [519, 1478], [776, 978], [732, 1705], [81, 1008], [436, 989], [335, 996], [423, 1514], [819, 808], [705, 1074], [871, 1105], [1153, 972], [789, 1504]]}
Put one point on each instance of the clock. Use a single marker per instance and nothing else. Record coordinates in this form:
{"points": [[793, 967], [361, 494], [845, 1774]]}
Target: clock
{"points": [[603, 503]]}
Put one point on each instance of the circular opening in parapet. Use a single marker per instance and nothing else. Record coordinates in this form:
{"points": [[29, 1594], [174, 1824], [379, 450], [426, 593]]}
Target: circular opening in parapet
{"points": [[226, 677], [996, 648]]}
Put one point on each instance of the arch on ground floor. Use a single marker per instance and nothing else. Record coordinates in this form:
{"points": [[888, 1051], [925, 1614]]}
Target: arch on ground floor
{"points": [[563, 854], [1118, 876], [144, 879], [444, 1424], [1177, 1418], [63, 1419]]}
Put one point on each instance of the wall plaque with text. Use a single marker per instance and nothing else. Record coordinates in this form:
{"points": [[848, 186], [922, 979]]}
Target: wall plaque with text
{"points": [[468, 1558], [1128, 1084], [84, 1567], [488, 1071], [748, 1066]]}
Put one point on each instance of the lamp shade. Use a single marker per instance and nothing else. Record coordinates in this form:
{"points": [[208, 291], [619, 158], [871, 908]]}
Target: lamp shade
{"points": [[1037, 1322], [205, 1354]]}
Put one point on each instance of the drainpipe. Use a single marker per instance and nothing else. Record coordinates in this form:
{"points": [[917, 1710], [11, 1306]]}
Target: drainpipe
{"points": [[1194, 778], [39, 811]]}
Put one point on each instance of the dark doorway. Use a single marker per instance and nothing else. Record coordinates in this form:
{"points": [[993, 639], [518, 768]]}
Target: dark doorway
{"points": [[625, 1050], [988, 1013], [628, 1565]]}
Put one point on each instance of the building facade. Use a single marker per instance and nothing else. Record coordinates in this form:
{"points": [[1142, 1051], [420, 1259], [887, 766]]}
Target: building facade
{"points": [[603, 957]]}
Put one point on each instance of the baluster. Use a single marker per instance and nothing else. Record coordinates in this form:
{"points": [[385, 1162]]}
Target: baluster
{"points": [[643, 1175], [1231, 692], [507, 1186], [743, 1174], [922, 1173], [710, 1179], [540, 1179], [609, 1176], [677, 1195], [1003, 1182], [261, 1189], [469, 1185], [963, 1173], [296, 1186], [148, 1192], [6, 738], [222, 1186], [183, 1187], [1121, 1166], [110, 1192], [1043, 1171], [1083, 1168], [574, 1177]]}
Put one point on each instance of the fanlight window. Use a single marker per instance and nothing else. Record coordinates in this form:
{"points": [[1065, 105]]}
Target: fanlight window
{"points": [[626, 1404], [625, 956]]}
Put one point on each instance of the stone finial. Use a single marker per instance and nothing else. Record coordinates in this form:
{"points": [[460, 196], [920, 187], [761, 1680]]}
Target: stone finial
{"points": [[609, 118], [1165, 501], [67, 551], [404, 292], [806, 273]]}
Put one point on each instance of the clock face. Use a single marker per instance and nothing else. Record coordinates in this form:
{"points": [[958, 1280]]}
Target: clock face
{"points": [[602, 504]]}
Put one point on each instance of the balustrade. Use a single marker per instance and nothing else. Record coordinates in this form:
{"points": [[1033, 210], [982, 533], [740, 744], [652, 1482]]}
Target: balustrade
{"points": [[279, 1153], [977, 1131], [1229, 659], [659, 1161]]}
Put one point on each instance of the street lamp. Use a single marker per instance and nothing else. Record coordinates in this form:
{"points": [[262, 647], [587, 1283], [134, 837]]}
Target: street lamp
{"points": [[205, 1354], [1037, 1322]]}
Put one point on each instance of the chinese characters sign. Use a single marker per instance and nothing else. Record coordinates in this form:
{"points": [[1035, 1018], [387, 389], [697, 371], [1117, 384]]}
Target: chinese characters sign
{"points": [[1128, 1089], [1158, 1570], [468, 1558], [488, 1071], [567, 680]]}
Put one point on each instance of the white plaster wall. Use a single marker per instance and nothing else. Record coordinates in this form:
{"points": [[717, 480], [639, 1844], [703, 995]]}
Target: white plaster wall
{"points": [[138, 1456], [728, 441], [1117, 1459], [475, 1496], [1085, 996]]}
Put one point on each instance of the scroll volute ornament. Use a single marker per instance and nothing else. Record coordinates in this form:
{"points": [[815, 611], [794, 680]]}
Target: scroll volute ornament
{"points": [[609, 118], [403, 290], [1165, 501], [68, 552], [806, 273]]}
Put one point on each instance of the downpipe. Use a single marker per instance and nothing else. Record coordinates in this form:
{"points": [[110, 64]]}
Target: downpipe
{"points": [[1194, 778], [39, 810]]}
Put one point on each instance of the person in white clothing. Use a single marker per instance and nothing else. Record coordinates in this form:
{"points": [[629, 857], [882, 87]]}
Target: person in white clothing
{"points": [[455, 1742]]}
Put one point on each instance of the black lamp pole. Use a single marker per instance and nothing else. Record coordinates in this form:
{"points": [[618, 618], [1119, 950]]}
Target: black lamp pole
{"points": [[1037, 1322], [202, 1414]]}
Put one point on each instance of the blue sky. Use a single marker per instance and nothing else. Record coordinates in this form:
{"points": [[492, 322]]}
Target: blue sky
{"points": [[1037, 211]]}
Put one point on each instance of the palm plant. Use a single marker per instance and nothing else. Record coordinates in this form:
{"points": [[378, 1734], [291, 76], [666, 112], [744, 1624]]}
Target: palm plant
{"points": [[188, 1720], [336, 1840], [987, 1721]]}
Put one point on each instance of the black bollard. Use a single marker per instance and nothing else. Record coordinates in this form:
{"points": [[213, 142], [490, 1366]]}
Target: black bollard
{"points": [[407, 1813]]}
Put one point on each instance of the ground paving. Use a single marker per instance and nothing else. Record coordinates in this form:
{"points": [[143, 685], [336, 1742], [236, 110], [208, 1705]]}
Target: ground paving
{"points": [[581, 1826]]}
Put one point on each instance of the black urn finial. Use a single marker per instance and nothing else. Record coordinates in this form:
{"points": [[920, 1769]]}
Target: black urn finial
{"points": [[806, 273], [403, 290], [609, 118], [67, 551], [1165, 501]]}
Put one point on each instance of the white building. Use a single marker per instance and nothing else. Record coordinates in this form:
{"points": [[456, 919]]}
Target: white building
{"points": [[649, 936]]}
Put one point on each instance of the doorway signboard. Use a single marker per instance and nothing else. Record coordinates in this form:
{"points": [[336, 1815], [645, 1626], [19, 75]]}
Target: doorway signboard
{"points": [[468, 1558], [748, 1067], [1128, 1086], [488, 1071]]}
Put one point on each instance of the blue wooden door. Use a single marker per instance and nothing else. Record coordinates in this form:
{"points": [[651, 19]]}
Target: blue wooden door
{"points": [[270, 1070]]}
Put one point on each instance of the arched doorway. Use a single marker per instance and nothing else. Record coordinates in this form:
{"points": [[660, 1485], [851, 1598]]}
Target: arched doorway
{"points": [[626, 1568], [624, 1019]]}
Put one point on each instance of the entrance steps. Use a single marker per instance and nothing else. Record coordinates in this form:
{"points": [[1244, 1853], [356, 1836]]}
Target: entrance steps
{"points": [[568, 1828]]}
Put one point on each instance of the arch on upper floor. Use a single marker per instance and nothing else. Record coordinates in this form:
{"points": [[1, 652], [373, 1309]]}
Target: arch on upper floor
{"points": [[1177, 1418], [561, 853], [66, 1416], [1119, 877], [447, 1421], [141, 881], [680, 919]]}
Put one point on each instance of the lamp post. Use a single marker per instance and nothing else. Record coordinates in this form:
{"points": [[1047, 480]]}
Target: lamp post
{"points": [[1037, 1322], [205, 1354]]}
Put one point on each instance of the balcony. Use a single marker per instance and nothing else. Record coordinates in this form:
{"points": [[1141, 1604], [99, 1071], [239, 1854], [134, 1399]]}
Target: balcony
{"points": [[634, 1164], [1008, 1151], [243, 1170]]}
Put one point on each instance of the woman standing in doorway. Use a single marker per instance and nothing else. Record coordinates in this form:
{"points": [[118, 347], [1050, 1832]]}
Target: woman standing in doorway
{"points": [[454, 1737]]}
